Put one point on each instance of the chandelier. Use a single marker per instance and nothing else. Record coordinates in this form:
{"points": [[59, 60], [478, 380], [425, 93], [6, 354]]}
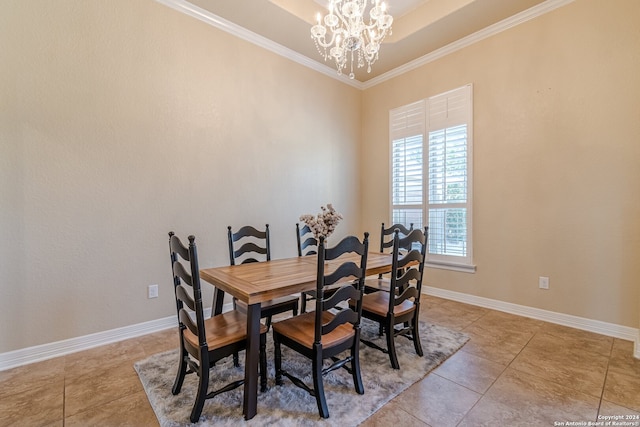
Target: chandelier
{"points": [[350, 38]]}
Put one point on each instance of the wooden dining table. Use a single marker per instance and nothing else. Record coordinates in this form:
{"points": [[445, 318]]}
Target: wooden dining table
{"points": [[254, 283]]}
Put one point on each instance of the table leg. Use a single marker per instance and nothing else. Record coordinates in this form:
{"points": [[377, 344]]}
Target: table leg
{"points": [[218, 301], [251, 361]]}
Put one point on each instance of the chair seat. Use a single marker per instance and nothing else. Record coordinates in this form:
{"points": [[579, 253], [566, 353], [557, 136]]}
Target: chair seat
{"points": [[223, 329], [372, 284], [301, 329], [273, 306], [378, 303]]}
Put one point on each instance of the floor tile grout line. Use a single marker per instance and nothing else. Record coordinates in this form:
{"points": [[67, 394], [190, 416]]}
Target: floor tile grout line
{"points": [[64, 395], [464, 386], [606, 376]]}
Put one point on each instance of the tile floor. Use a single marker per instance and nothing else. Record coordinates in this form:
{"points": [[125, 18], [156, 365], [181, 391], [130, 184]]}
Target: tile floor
{"points": [[514, 371]]}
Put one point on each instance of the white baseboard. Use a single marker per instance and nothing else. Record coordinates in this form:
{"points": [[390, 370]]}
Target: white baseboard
{"points": [[39, 353], [604, 328], [24, 356]]}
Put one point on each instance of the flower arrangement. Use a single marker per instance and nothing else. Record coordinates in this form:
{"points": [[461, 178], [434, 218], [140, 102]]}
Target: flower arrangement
{"points": [[324, 223]]}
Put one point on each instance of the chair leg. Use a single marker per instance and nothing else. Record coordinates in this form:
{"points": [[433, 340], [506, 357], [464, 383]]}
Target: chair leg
{"points": [[263, 362], [236, 360], [391, 345], [303, 302], [203, 384], [318, 385], [277, 359], [416, 335], [182, 371], [268, 323], [355, 366]]}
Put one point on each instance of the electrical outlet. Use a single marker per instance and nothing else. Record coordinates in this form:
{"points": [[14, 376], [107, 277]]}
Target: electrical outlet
{"points": [[153, 291], [543, 282]]}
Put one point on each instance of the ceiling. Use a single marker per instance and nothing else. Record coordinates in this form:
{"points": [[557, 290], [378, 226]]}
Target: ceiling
{"points": [[420, 27]]}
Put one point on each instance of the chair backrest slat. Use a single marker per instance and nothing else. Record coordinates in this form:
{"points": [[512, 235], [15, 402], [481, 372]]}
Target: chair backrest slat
{"points": [[185, 298], [187, 321], [348, 269], [180, 272], [342, 294], [343, 316]]}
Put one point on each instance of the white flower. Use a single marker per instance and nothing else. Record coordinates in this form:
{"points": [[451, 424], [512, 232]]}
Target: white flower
{"points": [[324, 223]]}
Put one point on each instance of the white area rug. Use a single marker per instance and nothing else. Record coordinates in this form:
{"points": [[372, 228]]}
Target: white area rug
{"points": [[289, 405]]}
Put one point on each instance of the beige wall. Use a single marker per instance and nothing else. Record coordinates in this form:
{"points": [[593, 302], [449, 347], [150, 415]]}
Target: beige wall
{"points": [[122, 120], [556, 159]]}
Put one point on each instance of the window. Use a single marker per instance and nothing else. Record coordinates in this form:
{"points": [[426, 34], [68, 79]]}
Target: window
{"points": [[431, 159]]}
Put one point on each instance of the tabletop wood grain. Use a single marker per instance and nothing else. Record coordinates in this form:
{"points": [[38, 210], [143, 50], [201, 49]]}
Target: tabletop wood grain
{"points": [[262, 281]]}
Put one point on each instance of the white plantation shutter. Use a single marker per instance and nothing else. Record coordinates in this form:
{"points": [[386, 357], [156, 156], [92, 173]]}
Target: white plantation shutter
{"points": [[407, 128], [448, 176], [449, 109], [431, 171]]}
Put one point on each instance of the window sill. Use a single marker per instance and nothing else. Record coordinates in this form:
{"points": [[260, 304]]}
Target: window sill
{"points": [[463, 268]]}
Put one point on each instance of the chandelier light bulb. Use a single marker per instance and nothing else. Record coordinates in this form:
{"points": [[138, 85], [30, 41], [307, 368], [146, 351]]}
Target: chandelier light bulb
{"points": [[345, 37]]}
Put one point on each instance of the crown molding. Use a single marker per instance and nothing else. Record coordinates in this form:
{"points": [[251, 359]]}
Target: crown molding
{"points": [[216, 21], [469, 40], [220, 23]]}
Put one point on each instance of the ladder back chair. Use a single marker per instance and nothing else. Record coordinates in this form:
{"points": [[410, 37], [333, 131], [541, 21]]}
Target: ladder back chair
{"points": [[373, 284], [203, 342], [251, 245], [327, 333], [401, 304]]}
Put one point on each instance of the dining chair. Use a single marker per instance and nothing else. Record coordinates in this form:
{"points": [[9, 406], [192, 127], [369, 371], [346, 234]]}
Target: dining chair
{"points": [[307, 245], [380, 283], [327, 333], [204, 342], [400, 305], [251, 245]]}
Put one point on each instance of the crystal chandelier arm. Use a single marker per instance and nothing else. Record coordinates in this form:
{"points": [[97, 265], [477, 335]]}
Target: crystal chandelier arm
{"points": [[319, 32], [373, 32], [343, 20], [322, 41]]}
